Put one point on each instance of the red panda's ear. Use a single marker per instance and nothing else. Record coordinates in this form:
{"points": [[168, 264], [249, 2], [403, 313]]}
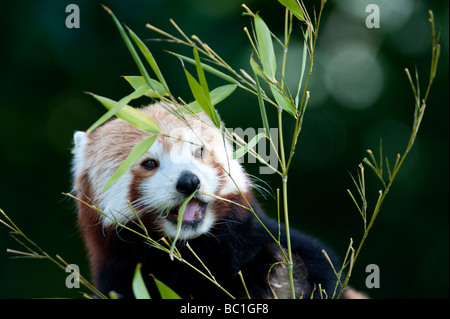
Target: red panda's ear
{"points": [[80, 140]]}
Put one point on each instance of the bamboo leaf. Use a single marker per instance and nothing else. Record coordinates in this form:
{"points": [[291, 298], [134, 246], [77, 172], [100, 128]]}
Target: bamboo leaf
{"points": [[251, 144], [294, 7], [207, 68], [138, 151], [118, 106], [282, 100], [256, 68], [139, 288], [221, 93], [165, 291], [139, 81], [280, 97], [265, 47], [128, 114], [150, 59], [204, 87], [217, 95], [262, 107], [180, 222], [302, 72], [203, 101], [201, 74]]}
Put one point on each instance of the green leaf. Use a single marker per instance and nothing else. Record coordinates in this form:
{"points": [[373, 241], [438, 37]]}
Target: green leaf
{"points": [[139, 288], [279, 96], [294, 7], [302, 72], [201, 74], [244, 149], [138, 81], [138, 151], [165, 291], [256, 68], [217, 95], [202, 99], [150, 59], [129, 114], [207, 68], [221, 93], [282, 100], [180, 221], [131, 48], [265, 47], [118, 107]]}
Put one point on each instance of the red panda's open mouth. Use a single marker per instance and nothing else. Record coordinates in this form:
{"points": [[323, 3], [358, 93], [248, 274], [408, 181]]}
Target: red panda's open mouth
{"points": [[193, 213]]}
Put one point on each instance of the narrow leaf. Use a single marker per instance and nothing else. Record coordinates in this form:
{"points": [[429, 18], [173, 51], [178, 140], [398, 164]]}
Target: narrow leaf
{"points": [[150, 59], [207, 68], [180, 222], [201, 74], [302, 72], [165, 291], [118, 107], [205, 102], [251, 144], [139, 288], [293, 6], [282, 100], [138, 151], [139, 81], [131, 115], [265, 47], [217, 95], [262, 107], [256, 68]]}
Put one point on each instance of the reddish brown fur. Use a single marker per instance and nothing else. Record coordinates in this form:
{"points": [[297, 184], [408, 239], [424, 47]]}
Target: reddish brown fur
{"points": [[96, 238]]}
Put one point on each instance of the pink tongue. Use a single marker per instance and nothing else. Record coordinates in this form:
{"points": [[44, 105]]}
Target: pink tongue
{"points": [[192, 211]]}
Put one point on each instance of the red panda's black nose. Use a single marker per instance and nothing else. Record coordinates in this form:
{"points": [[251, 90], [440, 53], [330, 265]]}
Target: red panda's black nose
{"points": [[188, 183]]}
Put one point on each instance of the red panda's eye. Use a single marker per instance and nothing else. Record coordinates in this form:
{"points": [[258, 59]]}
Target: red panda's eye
{"points": [[150, 164], [199, 152]]}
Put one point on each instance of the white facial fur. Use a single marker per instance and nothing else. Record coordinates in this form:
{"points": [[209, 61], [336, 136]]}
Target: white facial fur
{"points": [[158, 191]]}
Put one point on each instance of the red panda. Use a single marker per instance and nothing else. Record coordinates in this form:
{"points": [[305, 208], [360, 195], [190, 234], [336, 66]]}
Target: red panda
{"points": [[191, 154]]}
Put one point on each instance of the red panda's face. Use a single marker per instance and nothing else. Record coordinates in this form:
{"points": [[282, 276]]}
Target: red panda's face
{"points": [[191, 155]]}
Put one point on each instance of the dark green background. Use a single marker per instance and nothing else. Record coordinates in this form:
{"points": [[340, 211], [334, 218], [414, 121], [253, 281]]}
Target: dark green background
{"points": [[45, 67]]}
